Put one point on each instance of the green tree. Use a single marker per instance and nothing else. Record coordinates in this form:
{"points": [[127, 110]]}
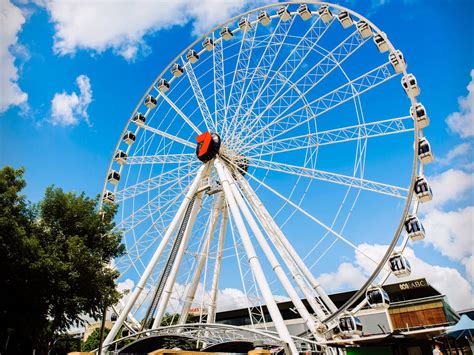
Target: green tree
{"points": [[53, 263], [93, 340]]}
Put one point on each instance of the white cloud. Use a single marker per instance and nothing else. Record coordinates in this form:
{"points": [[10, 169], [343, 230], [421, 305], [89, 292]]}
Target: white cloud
{"points": [[12, 21], [68, 109], [461, 150], [346, 277], [449, 186], [462, 122], [122, 25], [451, 234]]}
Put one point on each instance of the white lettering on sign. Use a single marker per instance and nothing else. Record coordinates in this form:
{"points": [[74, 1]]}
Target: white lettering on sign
{"points": [[413, 284]]}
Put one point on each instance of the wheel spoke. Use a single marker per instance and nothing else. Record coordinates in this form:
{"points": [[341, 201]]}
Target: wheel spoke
{"points": [[268, 57], [325, 103], [169, 136], [340, 179], [335, 136], [219, 82], [316, 73], [161, 159], [201, 101], [287, 69], [305, 213], [155, 182], [240, 75], [179, 112]]}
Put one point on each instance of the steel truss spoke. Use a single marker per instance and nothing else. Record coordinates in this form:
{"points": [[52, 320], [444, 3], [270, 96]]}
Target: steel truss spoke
{"points": [[335, 136], [267, 58], [201, 101], [146, 211], [240, 74], [327, 102], [318, 72], [179, 112], [307, 214], [290, 65], [169, 136], [340, 179], [182, 158], [154, 182], [219, 81]]}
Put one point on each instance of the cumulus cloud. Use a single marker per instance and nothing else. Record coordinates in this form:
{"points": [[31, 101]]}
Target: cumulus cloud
{"points": [[460, 151], [450, 233], [462, 122], [346, 277], [69, 109], [12, 22], [121, 26], [452, 185]]}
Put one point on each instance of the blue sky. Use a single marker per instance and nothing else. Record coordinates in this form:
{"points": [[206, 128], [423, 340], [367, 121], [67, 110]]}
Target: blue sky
{"points": [[69, 83]]}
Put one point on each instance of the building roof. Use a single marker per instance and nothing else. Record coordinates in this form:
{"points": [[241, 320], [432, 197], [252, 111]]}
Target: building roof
{"points": [[398, 292]]}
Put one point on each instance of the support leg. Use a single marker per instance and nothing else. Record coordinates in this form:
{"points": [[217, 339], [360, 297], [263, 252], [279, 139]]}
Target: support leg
{"points": [[260, 208], [156, 256], [190, 294], [211, 312], [280, 273], [163, 303], [275, 314]]}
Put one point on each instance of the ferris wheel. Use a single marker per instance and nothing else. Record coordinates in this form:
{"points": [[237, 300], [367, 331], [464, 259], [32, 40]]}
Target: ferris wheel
{"points": [[261, 161]]}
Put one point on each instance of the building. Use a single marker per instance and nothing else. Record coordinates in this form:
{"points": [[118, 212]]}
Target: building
{"points": [[417, 314], [416, 317]]}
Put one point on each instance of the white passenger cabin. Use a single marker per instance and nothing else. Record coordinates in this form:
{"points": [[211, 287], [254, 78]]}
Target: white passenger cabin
{"points": [[325, 13], [423, 190], [304, 12], [150, 102], [364, 29], [192, 56], [345, 19], [177, 70], [120, 157], [284, 13], [108, 197], [139, 119], [208, 44], [226, 33], [409, 83], [399, 266], [414, 228], [113, 177], [398, 61], [381, 43], [129, 138], [244, 24], [377, 298], [425, 154], [420, 116], [264, 18], [163, 85], [350, 325]]}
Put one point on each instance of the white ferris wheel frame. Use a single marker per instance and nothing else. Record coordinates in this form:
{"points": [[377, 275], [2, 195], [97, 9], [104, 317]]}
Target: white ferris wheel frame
{"points": [[238, 207]]}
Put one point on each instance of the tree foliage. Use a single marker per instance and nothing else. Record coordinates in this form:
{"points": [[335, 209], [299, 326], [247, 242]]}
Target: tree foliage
{"points": [[53, 262], [93, 340]]}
